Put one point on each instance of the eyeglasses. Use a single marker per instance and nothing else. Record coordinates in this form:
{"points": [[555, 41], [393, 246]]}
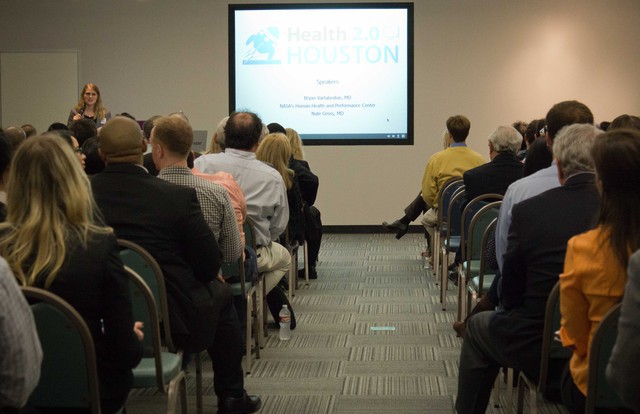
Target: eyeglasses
{"points": [[78, 150], [90, 94]]}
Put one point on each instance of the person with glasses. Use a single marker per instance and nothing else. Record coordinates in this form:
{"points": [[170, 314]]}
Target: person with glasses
{"points": [[89, 106]]}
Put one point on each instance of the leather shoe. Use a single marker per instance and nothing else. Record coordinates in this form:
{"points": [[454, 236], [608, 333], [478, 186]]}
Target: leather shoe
{"points": [[239, 405], [399, 227], [313, 274]]}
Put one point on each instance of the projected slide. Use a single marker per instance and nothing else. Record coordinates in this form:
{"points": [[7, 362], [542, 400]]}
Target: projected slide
{"points": [[336, 75]]}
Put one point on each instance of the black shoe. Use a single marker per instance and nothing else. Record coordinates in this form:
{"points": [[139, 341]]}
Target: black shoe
{"points": [[313, 274], [239, 405], [453, 276], [397, 226], [453, 266]]}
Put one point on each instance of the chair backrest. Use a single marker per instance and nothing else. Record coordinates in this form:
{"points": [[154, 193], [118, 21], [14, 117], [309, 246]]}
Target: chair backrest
{"points": [[249, 234], [600, 394], [69, 376], [551, 348], [478, 214], [488, 233], [454, 213], [140, 260], [235, 270], [445, 194], [145, 310]]}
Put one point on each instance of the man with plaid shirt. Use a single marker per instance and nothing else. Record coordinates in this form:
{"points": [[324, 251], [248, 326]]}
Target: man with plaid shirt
{"points": [[171, 140]]}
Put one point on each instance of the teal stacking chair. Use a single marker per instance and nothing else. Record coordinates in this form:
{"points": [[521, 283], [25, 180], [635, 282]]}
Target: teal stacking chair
{"points": [[149, 301], [235, 271], [552, 351], [163, 369], [476, 217], [444, 196], [451, 240], [600, 394], [69, 376]]}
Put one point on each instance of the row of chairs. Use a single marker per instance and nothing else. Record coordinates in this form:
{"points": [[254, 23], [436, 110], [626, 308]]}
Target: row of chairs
{"points": [[63, 332], [466, 229], [470, 230], [69, 378]]}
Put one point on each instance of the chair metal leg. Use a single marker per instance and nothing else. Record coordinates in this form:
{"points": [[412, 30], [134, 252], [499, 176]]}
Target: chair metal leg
{"points": [[496, 392], [444, 281], [177, 385], [183, 397], [198, 383], [306, 262], [509, 407]]}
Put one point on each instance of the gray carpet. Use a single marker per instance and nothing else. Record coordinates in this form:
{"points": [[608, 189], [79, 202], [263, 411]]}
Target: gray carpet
{"points": [[371, 338]]}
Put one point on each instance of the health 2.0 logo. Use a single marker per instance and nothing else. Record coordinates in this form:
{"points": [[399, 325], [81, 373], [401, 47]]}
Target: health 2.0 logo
{"points": [[261, 47]]}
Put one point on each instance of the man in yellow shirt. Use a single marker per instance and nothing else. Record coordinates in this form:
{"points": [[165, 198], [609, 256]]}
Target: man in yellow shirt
{"points": [[446, 164], [451, 162]]}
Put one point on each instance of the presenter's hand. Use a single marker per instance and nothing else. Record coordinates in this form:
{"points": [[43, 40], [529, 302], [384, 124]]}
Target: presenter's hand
{"points": [[77, 117]]}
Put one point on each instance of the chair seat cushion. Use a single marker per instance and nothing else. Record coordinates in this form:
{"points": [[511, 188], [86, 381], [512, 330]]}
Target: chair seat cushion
{"points": [[486, 283], [471, 268], [144, 375]]}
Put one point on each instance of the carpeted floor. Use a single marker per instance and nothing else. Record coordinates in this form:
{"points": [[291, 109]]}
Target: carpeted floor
{"points": [[371, 338]]}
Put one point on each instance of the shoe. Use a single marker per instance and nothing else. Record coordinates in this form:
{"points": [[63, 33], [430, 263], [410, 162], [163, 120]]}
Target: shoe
{"points": [[313, 274], [399, 227], [239, 405], [453, 276], [453, 266]]}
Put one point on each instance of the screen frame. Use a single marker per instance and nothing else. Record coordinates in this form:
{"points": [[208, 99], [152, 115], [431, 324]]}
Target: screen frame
{"points": [[409, 139]]}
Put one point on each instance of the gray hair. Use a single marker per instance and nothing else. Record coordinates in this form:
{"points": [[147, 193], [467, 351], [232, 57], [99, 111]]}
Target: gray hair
{"points": [[572, 148], [506, 139], [220, 132]]}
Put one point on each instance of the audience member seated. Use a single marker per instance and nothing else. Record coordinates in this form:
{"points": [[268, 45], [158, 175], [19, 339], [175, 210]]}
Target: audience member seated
{"points": [[531, 133], [538, 157], [595, 266], [171, 140], [167, 221], [622, 371], [450, 163], [493, 177], [29, 130], [93, 164], [59, 245], [16, 136], [275, 150], [263, 188], [626, 121], [67, 136], [560, 115], [83, 129], [21, 352], [308, 184], [540, 229]]}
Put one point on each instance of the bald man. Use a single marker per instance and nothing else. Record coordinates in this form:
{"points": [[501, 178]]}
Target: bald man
{"points": [[166, 219]]}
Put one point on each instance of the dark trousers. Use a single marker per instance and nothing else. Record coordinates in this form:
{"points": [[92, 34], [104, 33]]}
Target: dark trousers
{"points": [[415, 208], [313, 234], [480, 362], [226, 351]]}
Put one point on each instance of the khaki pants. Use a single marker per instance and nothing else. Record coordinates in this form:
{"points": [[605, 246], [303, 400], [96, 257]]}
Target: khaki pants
{"points": [[429, 221]]}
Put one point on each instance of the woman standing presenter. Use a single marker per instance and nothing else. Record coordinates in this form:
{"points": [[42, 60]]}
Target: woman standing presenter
{"points": [[90, 106]]}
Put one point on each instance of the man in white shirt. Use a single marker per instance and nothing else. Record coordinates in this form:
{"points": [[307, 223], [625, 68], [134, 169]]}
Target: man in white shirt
{"points": [[264, 191]]}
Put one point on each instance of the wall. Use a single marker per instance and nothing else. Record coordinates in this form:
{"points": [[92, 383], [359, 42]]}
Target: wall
{"points": [[495, 61]]}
